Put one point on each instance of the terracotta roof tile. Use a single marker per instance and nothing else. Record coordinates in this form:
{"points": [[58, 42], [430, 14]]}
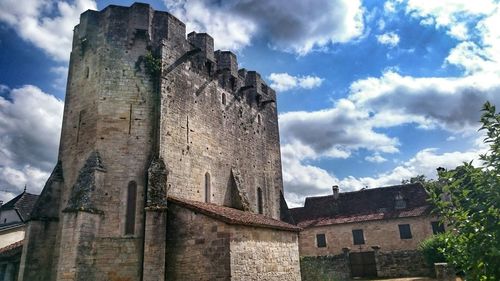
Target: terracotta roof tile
{"points": [[233, 216], [12, 249], [363, 205]]}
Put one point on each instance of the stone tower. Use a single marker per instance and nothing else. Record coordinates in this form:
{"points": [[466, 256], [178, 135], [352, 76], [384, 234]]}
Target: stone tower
{"points": [[148, 111]]}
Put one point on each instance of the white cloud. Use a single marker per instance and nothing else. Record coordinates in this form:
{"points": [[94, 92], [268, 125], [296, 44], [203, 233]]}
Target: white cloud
{"points": [[390, 39], [46, 24], [230, 31], [447, 13], [4, 88], [296, 26], [334, 132], [459, 31], [375, 158], [425, 162], [463, 19], [61, 73], [30, 125], [452, 103], [302, 180], [381, 24], [283, 81], [390, 6]]}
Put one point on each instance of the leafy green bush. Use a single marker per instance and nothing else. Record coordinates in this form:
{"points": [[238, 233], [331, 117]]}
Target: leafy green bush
{"points": [[432, 248]]}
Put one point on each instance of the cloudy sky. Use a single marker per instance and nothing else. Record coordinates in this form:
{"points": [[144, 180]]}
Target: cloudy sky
{"points": [[369, 92]]}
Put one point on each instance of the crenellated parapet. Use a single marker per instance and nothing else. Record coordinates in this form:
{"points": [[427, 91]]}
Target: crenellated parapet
{"points": [[122, 26]]}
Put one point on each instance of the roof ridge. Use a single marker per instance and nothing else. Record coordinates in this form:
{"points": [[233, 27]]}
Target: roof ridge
{"points": [[233, 216], [365, 189]]}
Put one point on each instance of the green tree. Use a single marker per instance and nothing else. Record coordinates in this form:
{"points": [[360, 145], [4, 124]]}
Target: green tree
{"points": [[468, 200], [420, 178]]}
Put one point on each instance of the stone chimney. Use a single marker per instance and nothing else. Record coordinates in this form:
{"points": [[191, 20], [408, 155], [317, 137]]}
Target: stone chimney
{"points": [[335, 190]]}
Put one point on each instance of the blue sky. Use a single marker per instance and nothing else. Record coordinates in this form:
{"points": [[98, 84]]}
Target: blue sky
{"points": [[369, 92]]}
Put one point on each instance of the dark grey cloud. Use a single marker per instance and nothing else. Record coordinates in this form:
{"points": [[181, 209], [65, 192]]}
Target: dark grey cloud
{"points": [[453, 104], [335, 132], [294, 25]]}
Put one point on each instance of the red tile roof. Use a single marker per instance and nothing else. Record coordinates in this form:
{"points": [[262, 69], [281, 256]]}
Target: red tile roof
{"points": [[233, 216], [12, 249], [363, 205]]}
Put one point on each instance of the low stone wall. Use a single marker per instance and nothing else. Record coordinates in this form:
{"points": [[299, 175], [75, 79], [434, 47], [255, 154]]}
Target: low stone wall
{"points": [[401, 264], [334, 268], [264, 254]]}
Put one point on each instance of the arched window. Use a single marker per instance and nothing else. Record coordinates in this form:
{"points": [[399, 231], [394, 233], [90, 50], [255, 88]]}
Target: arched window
{"points": [[207, 187], [131, 206], [223, 98], [259, 201]]}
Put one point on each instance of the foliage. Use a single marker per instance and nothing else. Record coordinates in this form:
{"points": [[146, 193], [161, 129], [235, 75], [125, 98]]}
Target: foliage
{"points": [[468, 199], [432, 248], [420, 178], [153, 64]]}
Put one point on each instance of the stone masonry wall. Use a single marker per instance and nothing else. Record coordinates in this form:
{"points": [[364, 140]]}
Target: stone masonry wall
{"points": [[333, 268], [197, 246], [401, 264], [38, 253], [264, 254], [214, 119], [382, 233]]}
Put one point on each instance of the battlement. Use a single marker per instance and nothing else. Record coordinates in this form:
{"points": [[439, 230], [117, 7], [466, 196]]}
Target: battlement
{"points": [[125, 26], [204, 42]]}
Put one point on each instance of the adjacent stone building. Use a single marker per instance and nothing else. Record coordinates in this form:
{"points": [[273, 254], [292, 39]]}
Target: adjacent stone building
{"points": [[371, 232], [169, 162], [13, 217]]}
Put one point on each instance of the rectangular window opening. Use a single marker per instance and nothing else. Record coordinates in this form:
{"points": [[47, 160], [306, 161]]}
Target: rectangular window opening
{"points": [[404, 231], [358, 237], [320, 240], [437, 227]]}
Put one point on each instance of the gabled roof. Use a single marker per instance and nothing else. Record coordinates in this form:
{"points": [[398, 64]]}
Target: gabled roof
{"points": [[363, 205], [23, 204], [233, 216]]}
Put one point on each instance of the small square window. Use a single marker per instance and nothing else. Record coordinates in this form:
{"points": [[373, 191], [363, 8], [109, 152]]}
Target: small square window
{"points": [[437, 227], [404, 231], [320, 240], [358, 237]]}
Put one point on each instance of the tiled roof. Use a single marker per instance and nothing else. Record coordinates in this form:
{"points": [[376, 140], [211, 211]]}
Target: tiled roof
{"points": [[363, 205], [23, 203], [233, 216], [12, 249]]}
